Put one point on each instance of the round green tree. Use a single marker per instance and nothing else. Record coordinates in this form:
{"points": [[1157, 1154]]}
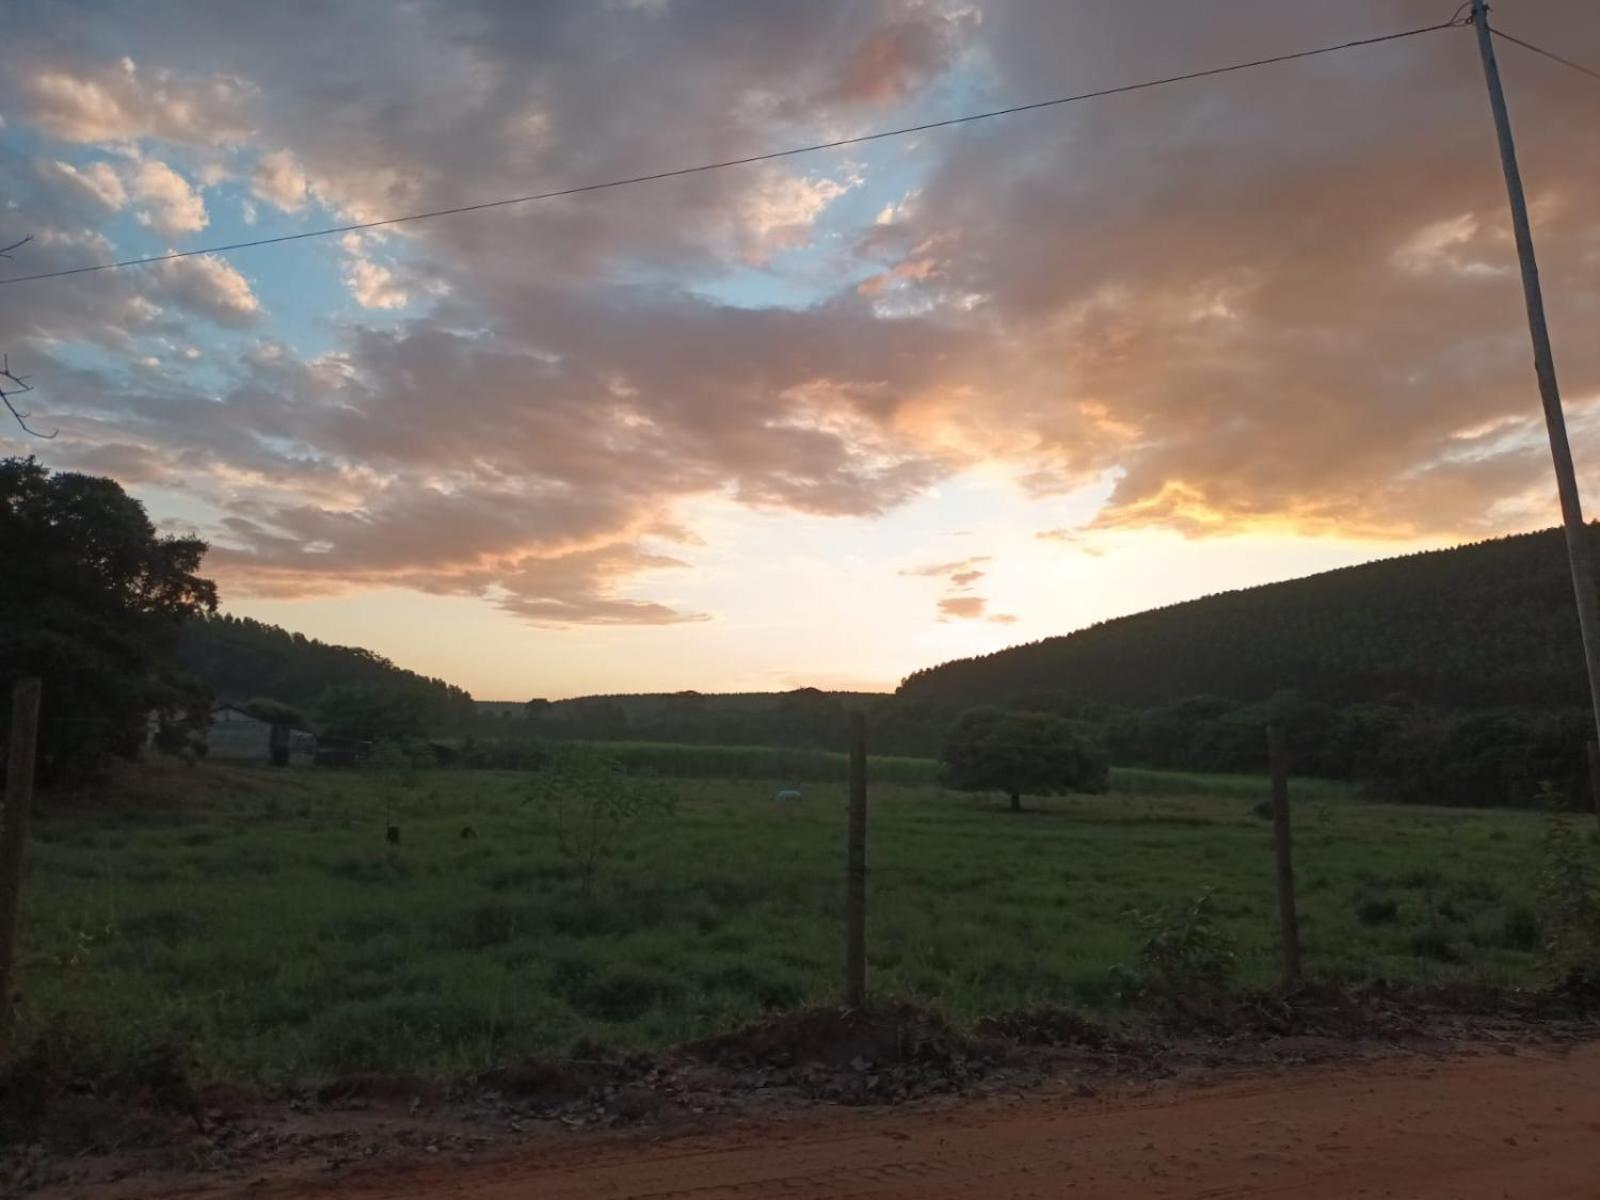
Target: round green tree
{"points": [[1022, 754], [92, 600]]}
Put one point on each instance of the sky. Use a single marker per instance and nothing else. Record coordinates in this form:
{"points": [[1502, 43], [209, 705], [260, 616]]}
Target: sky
{"points": [[813, 422]]}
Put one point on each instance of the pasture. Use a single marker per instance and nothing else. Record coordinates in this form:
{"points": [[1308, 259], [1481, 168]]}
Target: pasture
{"points": [[263, 918]]}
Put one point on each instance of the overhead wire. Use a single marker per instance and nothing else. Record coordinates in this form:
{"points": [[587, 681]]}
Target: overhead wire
{"points": [[747, 160], [1550, 54]]}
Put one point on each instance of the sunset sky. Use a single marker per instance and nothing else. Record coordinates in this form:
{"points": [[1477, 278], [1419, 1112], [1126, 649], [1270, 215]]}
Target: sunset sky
{"points": [[818, 421]]}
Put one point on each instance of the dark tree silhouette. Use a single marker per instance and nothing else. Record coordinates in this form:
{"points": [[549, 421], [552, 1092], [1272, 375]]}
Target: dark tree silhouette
{"points": [[1022, 753], [92, 601]]}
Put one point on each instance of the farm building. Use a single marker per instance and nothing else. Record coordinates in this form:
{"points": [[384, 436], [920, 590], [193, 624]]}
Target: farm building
{"points": [[236, 736]]}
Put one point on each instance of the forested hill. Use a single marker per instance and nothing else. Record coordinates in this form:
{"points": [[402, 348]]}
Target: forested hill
{"points": [[242, 659], [1480, 625]]}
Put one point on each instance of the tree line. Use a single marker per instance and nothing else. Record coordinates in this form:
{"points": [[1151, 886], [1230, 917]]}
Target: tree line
{"points": [[1448, 677], [1395, 746], [1490, 625], [340, 691]]}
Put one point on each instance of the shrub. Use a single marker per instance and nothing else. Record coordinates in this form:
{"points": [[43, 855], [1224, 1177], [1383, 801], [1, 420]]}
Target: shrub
{"points": [[486, 924], [1567, 896], [610, 994], [1521, 928], [1433, 941], [597, 808], [1184, 953], [1377, 910]]}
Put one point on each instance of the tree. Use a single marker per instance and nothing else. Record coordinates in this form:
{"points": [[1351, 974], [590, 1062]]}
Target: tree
{"points": [[1021, 753], [92, 601], [240, 657], [370, 712], [596, 808], [275, 712]]}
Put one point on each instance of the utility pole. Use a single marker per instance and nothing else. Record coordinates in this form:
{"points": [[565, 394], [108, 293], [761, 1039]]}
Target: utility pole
{"points": [[1544, 366]]}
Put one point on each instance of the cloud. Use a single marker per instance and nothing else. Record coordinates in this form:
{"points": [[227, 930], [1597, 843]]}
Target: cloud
{"points": [[1079, 539], [893, 61], [374, 286], [171, 205], [578, 588], [952, 569], [778, 213], [960, 577], [1180, 294], [963, 608], [98, 180], [208, 287], [279, 180], [117, 101]]}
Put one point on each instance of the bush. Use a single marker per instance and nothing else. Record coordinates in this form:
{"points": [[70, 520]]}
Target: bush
{"points": [[597, 808], [1521, 928], [1433, 941], [483, 925], [1377, 910], [610, 993], [1184, 953], [1567, 896]]}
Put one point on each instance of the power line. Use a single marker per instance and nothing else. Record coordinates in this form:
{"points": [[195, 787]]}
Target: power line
{"points": [[1550, 54], [839, 143]]}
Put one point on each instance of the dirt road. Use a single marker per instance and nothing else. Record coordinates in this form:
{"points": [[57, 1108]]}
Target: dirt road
{"points": [[1484, 1125]]}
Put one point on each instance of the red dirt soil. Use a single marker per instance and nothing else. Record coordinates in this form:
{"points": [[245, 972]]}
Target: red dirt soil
{"points": [[1491, 1123]]}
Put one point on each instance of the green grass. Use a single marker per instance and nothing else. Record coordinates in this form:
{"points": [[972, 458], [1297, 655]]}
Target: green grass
{"points": [[783, 767], [1142, 780], [262, 917]]}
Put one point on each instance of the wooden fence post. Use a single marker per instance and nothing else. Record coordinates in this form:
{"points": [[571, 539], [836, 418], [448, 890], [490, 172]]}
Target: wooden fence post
{"points": [[1594, 778], [855, 881], [1278, 764], [13, 833]]}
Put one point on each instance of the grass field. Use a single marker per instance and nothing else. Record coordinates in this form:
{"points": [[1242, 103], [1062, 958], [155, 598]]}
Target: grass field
{"points": [[777, 764], [262, 917]]}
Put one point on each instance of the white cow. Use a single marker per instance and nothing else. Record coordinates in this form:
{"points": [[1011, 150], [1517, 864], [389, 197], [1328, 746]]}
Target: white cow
{"points": [[787, 794]]}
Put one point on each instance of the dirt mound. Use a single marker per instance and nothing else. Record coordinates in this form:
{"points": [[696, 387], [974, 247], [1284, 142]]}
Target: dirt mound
{"points": [[1368, 1012], [852, 1055], [554, 1082], [1045, 1026], [885, 1035], [349, 1088]]}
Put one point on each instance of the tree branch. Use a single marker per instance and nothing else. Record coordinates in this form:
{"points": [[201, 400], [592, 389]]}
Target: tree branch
{"points": [[19, 385]]}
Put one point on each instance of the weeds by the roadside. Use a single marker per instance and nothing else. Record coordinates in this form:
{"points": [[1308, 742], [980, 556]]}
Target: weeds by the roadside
{"points": [[1571, 908]]}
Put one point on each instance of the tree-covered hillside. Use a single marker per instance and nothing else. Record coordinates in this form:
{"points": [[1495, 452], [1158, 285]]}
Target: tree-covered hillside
{"points": [[1477, 626], [241, 659]]}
